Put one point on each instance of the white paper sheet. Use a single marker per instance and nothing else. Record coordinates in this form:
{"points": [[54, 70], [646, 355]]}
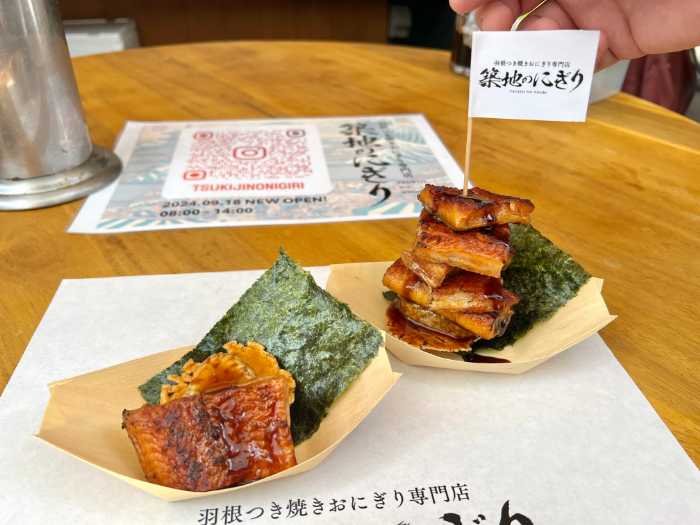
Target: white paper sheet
{"points": [[572, 441]]}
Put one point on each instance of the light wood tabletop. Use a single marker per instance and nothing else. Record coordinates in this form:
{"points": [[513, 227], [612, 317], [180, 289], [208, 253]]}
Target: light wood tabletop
{"points": [[621, 192]]}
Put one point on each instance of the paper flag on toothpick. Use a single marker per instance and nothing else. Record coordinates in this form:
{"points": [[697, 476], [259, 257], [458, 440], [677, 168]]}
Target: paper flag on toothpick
{"points": [[532, 75]]}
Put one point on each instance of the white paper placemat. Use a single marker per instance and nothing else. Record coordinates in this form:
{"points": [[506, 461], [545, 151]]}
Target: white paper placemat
{"points": [[573, 441]]}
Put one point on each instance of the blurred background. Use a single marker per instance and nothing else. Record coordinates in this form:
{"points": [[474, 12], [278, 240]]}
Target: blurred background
{"points": [[100, 26]]}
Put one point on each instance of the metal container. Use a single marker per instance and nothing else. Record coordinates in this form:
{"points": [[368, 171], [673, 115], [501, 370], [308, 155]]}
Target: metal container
{"points": [[46, 156]]}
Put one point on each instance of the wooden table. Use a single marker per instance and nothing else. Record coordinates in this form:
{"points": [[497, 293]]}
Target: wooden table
{"points": [[621, 193]]}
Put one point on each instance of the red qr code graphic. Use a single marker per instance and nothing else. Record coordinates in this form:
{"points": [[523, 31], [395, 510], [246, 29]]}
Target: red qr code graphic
{"points": [[194, 175], [249, 153], [252, 154]]}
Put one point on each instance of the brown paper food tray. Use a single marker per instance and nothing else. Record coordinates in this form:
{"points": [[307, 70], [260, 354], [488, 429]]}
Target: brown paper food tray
{"points": [[360, 286], [83, 418]]}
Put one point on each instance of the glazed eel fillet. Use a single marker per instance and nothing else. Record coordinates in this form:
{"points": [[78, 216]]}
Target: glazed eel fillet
{"points": [[464, 291], [474, 251], [474, 293], [433, 274], [486, 325], [430, 320], [480, 208], [403, 282], [216, 439]]}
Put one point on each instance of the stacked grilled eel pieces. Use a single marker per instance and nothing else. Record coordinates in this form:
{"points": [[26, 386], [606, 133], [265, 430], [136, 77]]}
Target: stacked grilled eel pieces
{"points": [[450, 281]]}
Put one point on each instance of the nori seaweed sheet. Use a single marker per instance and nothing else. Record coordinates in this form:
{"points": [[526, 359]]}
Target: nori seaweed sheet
{"points": [[389, 295], [313, 336], [542, 275]]}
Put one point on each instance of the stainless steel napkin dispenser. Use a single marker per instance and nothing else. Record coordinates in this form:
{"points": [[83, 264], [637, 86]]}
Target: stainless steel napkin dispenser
{"points": [[46, 156]]}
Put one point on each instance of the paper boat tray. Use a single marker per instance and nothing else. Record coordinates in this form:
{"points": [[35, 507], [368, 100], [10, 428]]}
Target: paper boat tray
{"points": [[83, 418], [360, 286]]}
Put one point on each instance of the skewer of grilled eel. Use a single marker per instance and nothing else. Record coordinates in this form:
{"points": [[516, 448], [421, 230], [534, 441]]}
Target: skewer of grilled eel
{"points": [[475, 251], [216, 439], [478, 209]]}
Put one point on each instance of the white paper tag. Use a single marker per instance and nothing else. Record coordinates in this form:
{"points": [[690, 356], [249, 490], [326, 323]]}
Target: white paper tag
{"points": [[532, 75], [247, 162]]}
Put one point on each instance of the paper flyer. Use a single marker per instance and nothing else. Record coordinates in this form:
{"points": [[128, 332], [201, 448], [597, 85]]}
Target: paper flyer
{"points": [[276, 171], [571, 441]]}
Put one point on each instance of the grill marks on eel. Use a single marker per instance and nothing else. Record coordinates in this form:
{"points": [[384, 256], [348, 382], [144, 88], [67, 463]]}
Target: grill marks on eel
{"points": [[217, 439]]}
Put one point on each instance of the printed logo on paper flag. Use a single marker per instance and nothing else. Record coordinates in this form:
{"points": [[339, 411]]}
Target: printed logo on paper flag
{"points": [[532, 75]]}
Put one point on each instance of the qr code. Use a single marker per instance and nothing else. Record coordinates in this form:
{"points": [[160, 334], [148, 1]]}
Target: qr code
{"points": [[257, 154]]}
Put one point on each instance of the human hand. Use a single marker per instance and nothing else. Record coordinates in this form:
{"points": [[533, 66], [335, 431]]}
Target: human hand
{"points": [[628, 28]]}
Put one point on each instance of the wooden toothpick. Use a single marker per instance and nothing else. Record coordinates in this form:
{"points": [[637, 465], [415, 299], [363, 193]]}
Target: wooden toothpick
{"points": [[468, 156]]}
